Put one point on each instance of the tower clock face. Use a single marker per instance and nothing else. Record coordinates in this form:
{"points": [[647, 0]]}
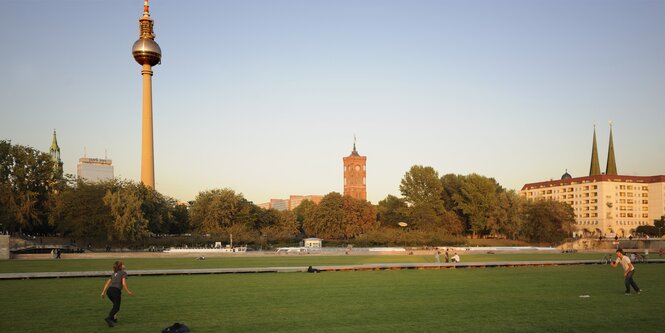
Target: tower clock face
{"points": [[357, 167]]}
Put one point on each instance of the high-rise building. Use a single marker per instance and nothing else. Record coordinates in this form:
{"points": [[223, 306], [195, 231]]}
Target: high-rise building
{"points": [[54, 151], [94, 169], [147, 53], [605, 204], [355, 173]]}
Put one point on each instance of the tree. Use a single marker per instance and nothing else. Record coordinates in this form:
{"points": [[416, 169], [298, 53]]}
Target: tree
{"points": [[392, 210], [285, 227], [180, 222], [129, 222], [303, 212], [327, 219], [513, 205], [422, 190], [222, 212], [547, 221], [477, 199], [26, 188], [421, 187], [359, 217], [80, 211]]}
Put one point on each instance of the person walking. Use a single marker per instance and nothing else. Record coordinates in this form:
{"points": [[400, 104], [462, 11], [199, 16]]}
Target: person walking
{"points": [[437, 259], [628, 271], [112, 289]]}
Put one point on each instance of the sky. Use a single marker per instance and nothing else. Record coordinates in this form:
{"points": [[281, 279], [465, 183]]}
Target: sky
{"points": [[265, 96]]}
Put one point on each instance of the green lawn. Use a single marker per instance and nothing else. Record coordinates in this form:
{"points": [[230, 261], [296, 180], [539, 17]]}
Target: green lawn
{"points": [[528, 299], [13, 266]]}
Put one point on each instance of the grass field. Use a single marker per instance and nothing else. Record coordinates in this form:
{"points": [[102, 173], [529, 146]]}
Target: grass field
{"points": [[14, 266], [528, 299]]}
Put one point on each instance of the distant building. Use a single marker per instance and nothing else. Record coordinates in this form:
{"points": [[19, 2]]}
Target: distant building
{"points": [[279, 204], [296, 200], [265, 205], [312, 242], [94, 169], [355, 173], [291, 203], [607, 203]]}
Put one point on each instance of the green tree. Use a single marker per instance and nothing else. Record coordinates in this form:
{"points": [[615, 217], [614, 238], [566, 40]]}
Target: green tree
{"points": [[303, 212], [284, 229], [180, 222], [80, 211], [478, 200], [26, 188], [392, 210], [129, 222], [359, 217], [327, 219], [222, 212], [547, 221], [421, 187]]}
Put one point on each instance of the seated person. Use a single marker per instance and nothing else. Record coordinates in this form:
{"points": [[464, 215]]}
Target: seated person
{"points": [[455, 258]]}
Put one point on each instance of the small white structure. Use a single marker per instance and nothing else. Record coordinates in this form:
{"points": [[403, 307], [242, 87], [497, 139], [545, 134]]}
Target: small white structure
{"points": [[312, 243]]}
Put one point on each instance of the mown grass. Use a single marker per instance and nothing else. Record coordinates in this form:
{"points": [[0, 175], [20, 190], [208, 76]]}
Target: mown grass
{"points": [[14, 266], [527, 299]]}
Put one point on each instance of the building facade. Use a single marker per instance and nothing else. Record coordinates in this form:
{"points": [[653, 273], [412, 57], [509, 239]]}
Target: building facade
{"points": [[355, 175], [291, 203], [606, 204], [94, 169]]}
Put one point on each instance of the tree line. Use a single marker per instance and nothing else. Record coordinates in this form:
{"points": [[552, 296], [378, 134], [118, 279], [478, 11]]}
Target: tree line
{"points": [[432, 210]]}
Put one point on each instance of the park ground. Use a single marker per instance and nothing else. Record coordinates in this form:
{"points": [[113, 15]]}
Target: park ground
{"points": [[515, 299]]}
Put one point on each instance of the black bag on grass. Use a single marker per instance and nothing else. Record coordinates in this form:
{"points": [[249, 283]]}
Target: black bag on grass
{"points": [[176, 328]]}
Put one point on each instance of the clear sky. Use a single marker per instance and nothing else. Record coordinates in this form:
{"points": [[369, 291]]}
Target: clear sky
{"points": [[265, 96]]}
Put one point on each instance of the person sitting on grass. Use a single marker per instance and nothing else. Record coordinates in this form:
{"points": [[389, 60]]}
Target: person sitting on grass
{"points": [[112, 289], [628, 271], [455, 258]]}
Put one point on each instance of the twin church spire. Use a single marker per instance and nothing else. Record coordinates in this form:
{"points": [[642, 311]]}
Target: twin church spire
{"points": [[611, 168]]}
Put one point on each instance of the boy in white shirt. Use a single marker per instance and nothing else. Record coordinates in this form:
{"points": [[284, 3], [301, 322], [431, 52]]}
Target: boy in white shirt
{"points": [[628, 271]]}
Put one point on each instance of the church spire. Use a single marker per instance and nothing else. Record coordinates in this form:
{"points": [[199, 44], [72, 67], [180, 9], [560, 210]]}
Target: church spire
{"points": [[55, 149], [594, 170], [611, 168], [55, 156]]}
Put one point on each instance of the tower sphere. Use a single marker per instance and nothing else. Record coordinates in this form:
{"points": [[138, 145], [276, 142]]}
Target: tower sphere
{"points": [[146, 51]]}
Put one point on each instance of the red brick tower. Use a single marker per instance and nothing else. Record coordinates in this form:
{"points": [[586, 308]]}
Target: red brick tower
{"points": [[354, 175]]}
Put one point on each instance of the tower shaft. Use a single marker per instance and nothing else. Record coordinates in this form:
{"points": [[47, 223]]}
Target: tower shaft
{"points": [[147, 147]]}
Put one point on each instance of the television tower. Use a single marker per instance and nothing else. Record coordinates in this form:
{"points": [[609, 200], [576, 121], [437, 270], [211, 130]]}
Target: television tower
{"points": [[147, 53]]}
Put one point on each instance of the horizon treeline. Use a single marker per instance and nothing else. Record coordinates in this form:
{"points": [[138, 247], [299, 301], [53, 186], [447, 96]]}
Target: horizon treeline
{"points": [[432, 210]]}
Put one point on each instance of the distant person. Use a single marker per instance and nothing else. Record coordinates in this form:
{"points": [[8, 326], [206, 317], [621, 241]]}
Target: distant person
{"points": [[310, 269], [455, 258], [628, 271], [58, 253], [446, 256], [112, 289], [437, 259]]}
